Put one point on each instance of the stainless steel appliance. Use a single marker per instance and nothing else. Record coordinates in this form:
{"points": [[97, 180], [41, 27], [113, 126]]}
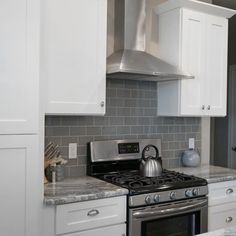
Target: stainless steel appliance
{"points": [[172, 204]]}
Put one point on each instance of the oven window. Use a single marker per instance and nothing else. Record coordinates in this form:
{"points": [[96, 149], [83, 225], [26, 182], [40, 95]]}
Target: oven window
{"points": [[181, 225]]}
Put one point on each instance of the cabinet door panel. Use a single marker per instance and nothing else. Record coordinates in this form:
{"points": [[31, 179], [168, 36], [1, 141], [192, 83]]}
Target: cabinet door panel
{"points": [[20, 186], [216, 64], [116, 230], [74, 55], [221, 216], [193, 39], [19, 66]]}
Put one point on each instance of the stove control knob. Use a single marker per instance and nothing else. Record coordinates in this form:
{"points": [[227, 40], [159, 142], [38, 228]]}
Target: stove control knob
{"points": [[148, 199], [156, 198], [188, 193], [195, 192], [173, 195]]}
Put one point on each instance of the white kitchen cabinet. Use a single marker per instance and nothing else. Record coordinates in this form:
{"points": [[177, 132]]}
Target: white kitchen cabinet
{"points": [[19, 67], [222, 205], [95, 217], [21, 193], [193, 36], [73, 56], [116, 230]]}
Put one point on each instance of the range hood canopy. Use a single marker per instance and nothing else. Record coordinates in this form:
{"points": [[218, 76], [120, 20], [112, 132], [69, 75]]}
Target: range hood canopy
{"points": [[130, 61]]}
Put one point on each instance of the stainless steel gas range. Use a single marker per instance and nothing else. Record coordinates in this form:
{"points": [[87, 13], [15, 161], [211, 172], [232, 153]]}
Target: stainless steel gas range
{"points": [[172, 204]]}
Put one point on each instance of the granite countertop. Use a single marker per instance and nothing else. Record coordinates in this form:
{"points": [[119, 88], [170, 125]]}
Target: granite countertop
{"points": [[212, 174], [222, 232], [80, 189]]}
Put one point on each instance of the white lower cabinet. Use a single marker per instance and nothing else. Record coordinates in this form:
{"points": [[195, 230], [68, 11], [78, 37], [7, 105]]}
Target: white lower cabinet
{"points": [[222, 216], [21, 192], [222, 205], [116, 230], [96, 217]]}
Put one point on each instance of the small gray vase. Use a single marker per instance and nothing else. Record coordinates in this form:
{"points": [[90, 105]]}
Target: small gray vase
{"points": [[191, 158]]}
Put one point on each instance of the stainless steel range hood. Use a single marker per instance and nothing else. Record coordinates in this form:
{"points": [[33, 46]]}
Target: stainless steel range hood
{"points": [[130, 61]]}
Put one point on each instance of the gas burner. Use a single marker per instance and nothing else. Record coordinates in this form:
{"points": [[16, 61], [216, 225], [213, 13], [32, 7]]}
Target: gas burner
{"points": [[137, 184]]}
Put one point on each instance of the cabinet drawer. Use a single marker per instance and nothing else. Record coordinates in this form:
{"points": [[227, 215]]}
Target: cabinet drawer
{"points": [[115, 230], [90, 214], [223, 192], [221, 216]]}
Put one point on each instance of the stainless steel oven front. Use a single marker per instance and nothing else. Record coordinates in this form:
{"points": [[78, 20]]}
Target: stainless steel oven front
{"points": [[179, 218]]}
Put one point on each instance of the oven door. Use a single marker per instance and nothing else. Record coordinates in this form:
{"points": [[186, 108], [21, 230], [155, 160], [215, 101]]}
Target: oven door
{"points": [[181, 218]]}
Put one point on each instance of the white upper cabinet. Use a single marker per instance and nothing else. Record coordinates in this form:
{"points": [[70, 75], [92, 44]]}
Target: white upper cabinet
{"points": [[73, 58], [198, 35], [19, 73]]}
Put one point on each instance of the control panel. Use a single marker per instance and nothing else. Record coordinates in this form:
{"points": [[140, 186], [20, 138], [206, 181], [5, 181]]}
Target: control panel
{"points": [[167, 196], [128, 148]]}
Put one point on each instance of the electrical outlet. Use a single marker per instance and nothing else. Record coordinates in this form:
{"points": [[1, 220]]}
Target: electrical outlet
{"points": [[191, 143], [72, 150]]}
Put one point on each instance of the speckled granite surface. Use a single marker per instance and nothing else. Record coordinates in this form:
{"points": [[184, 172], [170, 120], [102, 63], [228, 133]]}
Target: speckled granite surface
{"points": [[222, 232], [212, 174], [80, 189]]}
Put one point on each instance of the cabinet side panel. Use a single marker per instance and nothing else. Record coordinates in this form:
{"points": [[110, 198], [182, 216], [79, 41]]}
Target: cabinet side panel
{"points": [[169, 50], [167, 98]]}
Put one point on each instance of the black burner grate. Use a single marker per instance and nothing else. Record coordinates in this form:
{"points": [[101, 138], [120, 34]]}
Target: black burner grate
{"points": [[137, 184]]}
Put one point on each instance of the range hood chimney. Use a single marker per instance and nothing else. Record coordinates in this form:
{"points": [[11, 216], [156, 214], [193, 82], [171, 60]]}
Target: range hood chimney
{"points": [[130, 61]]}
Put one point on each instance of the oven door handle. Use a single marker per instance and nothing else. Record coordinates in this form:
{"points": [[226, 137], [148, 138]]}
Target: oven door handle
{"points": [[168, 211]]}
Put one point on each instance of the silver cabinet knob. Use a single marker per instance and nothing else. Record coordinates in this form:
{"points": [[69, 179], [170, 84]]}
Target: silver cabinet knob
{"points": [[208, 107], [229, 219], [203, 107], [229, 191], [102, 103]]}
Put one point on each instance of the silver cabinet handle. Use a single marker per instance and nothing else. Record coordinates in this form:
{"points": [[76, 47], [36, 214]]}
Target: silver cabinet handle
{"points": [[93, 212], [229, 219], [102, 104], [229, 191], [208, 107], [203, 107]]}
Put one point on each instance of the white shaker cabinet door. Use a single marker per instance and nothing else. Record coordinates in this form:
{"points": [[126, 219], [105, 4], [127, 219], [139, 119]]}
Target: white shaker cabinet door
{"points": [[193, 62], [74, 56], [19, 37], [115, 230], [216, 64], [21, 186]]}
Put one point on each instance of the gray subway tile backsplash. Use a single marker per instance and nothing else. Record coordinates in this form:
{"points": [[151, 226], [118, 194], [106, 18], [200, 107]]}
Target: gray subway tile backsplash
{"points": [[130, 114]]}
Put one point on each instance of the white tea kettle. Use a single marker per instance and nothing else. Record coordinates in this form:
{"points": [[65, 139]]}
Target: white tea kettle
{"points": [[150, 166]]}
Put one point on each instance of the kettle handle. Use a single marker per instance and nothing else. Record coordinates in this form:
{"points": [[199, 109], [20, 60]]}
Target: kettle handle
{"points": [[146, 149]]}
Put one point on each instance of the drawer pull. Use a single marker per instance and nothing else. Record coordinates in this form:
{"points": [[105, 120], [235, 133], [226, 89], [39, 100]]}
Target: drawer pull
{"points": [[229, 219], [93, 212], [229, 191]]}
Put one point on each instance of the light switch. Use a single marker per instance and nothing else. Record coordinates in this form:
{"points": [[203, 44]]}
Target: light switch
{"points": [[72, 150], [191, 143]]}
